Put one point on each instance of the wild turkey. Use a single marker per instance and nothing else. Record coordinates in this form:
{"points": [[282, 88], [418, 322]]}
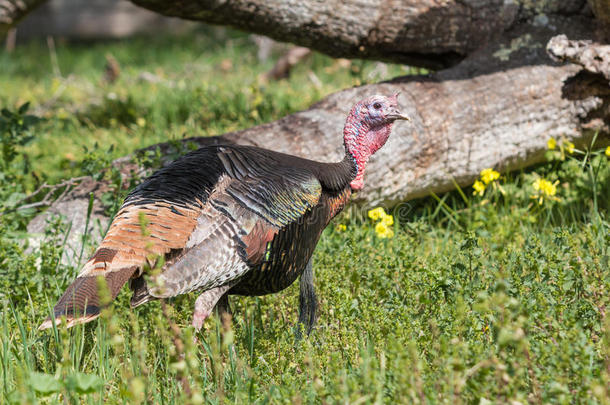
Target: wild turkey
{"points": [[228, 219]]}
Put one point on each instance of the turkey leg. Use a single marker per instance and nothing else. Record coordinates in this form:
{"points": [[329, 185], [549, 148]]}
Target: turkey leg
{"points": [[222, 306], [308, 302], [205, 304]]}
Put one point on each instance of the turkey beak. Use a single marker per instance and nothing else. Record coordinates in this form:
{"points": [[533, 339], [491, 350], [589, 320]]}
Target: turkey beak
{"points": [[397, 115]]}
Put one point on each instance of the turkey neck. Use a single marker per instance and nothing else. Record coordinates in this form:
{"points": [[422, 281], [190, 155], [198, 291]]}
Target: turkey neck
{"points": [[336, 176]]}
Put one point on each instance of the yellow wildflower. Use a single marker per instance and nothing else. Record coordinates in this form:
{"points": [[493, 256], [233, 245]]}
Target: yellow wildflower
{"points": [[377, 213], [382, 228], [479, 188], [551, 143], [383, 231], [388, 220], [608, 151], [545, 189], [489, 175], [141, 122], [569, 146], [341, 227]]}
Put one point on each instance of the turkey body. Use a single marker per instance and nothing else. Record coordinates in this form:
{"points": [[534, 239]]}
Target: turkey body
{"points": [[227, 219], [240, 219], [278, 204]]}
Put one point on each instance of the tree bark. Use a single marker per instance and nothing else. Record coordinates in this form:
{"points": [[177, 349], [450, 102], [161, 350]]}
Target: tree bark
{"points": [[595, 58], [12, 11], [601, 9], [429, 33]]}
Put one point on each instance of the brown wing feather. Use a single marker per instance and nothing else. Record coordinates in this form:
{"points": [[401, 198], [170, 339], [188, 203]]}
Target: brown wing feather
{"points": [[227, 239]]}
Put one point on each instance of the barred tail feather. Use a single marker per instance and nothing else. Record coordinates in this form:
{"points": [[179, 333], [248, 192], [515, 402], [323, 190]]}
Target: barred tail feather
{"points": [[81, 301], [125, 249]]}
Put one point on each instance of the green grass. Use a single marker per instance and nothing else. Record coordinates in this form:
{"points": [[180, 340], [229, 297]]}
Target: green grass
{"points": [[475, 299]]}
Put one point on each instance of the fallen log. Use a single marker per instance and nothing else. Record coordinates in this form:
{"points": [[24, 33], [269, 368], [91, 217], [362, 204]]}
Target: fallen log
{"points": [[429, 33], [462, 121]]}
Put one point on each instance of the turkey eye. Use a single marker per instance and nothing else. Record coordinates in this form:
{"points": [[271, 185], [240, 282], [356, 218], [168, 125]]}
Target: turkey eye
{"points": [[377, 106]]}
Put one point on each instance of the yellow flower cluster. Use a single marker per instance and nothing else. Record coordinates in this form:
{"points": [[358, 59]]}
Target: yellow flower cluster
{"points": [[377, 213], [383, 228], [545, 186], [488, 176], [479, 187], [608, 151], [545, 190], [566, 146]]}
